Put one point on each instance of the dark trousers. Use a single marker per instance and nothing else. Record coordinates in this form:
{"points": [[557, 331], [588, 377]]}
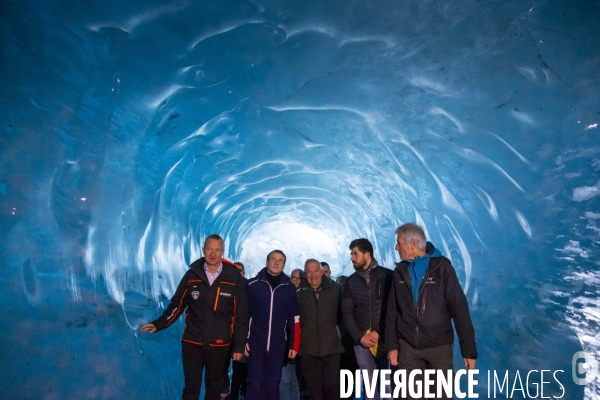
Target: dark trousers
{"points": [[264, 373], [439, 357], [322, 376], [195, 359], [238, 379]]}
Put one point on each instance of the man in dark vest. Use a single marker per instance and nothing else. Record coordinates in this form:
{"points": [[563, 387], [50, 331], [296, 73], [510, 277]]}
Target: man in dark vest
{"points": [[364, 308], [319, 303]]}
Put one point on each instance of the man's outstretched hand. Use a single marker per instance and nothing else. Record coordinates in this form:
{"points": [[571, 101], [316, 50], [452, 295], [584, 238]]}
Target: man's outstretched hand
{"points": [[148, 327]]}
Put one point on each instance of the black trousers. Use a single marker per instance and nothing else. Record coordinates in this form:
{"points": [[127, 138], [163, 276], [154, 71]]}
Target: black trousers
{"points": [[195, 359], [238, 379], [439, 357], [322, 376]]}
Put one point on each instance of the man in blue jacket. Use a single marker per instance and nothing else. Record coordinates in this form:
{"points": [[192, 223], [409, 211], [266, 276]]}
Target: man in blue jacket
{"points": [[424, 300], [274, 331], [216, 321]]}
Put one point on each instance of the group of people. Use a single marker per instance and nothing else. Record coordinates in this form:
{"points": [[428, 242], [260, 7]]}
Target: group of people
{"points": [[399, 318]]}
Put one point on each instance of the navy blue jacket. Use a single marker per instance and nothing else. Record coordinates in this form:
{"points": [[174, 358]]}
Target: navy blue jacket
{"points": [[274, 320]]}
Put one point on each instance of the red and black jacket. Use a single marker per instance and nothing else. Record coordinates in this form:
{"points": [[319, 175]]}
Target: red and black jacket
{"points": [[217, 314]]}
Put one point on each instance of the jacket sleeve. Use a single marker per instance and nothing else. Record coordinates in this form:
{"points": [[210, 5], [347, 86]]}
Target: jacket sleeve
{"points": [[339, 315], [175, 308], [391, 339], [240, 325], [459, 311], [348, 312], [293, 322]]}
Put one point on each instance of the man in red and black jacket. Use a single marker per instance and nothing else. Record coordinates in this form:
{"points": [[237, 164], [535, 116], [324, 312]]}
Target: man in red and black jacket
{"points": [[216, 320]]}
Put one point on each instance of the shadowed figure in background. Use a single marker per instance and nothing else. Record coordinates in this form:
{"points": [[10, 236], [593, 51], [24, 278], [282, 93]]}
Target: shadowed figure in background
{"points": [[326, 269], [347, 358], [424, 300], [216, 321], [319, 303], [291, 375], [239, 368], [274, 331], [364, 308]]}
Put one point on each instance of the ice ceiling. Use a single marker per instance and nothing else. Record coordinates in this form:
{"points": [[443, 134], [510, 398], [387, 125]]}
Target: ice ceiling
{"points": [[131, 130]]}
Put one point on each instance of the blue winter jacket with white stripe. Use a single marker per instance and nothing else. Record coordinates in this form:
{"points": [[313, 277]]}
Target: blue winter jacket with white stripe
{"points": [[274, 321]]}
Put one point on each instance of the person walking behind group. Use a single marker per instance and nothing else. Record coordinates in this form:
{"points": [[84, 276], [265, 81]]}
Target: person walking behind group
{"points": [[364, 307], [216, 320], [239, 368], [326, 269], [425, 299], [274, 331], [319, 303]]}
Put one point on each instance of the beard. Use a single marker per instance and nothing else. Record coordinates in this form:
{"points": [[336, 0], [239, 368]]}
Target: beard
{"points": [[359, 267]]}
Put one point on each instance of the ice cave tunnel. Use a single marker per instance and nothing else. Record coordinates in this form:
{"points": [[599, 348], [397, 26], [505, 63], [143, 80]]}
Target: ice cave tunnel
{"points": [[131, 130]]}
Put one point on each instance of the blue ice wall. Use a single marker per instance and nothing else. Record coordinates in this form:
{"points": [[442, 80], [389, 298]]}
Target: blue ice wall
{"points": [[131, 130]]}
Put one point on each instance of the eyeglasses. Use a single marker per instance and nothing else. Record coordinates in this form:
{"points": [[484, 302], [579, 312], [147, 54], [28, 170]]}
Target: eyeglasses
{"points": [[295, 278]]}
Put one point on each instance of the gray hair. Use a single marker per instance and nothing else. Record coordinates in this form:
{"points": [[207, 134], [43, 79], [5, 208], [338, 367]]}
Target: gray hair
{"points": [[311, 260], [410, 232]]}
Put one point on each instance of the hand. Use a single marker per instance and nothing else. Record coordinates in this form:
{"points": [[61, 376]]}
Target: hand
{"points": [[148, 327], [367, 341], [237, 356], [247, 350], [292, 354], [393, 357], [469, 363]]}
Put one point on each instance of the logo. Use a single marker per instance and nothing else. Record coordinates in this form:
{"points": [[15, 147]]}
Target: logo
{"points": [[225, 294], [585, 368], [430, 280], [195, 294]]}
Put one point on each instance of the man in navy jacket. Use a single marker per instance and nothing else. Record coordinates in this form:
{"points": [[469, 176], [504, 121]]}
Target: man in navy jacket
{"points": [[216, 320], [274, 331]]}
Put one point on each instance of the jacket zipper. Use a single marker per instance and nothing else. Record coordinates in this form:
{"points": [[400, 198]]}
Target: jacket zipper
{"points": [[417, 305], [370, 305], [271, 313]]}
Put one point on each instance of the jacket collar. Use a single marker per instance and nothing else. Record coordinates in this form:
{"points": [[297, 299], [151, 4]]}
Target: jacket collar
{"points": [[262, 275], [197, 268]]}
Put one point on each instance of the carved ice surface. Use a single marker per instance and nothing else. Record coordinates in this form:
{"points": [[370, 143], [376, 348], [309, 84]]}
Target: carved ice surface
{"points": [[132, 130]]}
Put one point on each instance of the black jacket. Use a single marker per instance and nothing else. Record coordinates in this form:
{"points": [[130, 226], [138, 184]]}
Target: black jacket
{"points": [[441, 300], [216, 314], [364, 307], [319, 319]]}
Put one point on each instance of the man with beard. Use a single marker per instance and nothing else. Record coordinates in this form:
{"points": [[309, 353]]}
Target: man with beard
{"points": [[364, 308], [216, 321]]}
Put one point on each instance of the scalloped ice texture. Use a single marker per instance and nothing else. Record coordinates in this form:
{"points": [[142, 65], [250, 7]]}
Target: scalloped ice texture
{"points": [[132, 130]]}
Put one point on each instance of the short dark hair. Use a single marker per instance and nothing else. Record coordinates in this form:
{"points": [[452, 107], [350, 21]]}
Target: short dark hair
{"points": [[323, 263], [364, 246], [239, 264], [277, 251], [215, 237]]}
